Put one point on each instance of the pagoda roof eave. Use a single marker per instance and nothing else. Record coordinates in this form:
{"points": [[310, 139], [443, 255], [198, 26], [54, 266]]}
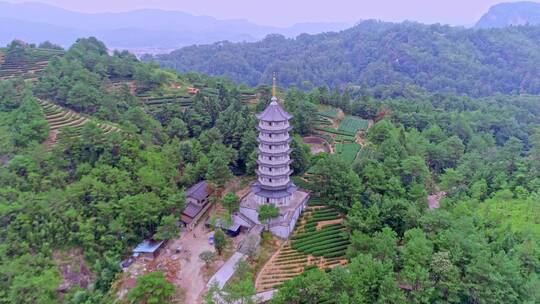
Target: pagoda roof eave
{"points": [[287, 152], [265, 164], [286, 174], [261, 129], [274, 113], [285, 141]]}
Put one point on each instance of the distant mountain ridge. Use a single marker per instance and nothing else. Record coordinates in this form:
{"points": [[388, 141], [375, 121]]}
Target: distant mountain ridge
{"points": [[513, 13], [380, 56], [139, 29]]}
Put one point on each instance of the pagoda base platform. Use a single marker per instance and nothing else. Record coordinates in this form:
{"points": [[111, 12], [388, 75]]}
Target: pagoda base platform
{"points": [[283, 225]]}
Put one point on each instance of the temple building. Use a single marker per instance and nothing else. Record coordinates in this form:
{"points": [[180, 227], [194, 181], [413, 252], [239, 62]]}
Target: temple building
{"points": [[273, 185]]}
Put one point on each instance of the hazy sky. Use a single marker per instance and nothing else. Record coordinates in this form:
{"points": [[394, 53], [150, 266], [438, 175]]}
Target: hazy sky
{"points": [[287, 12]]}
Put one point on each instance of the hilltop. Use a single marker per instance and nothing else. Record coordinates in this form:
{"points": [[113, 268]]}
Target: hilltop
{"points": [[22, 60], [380, 56], [507, 14]]}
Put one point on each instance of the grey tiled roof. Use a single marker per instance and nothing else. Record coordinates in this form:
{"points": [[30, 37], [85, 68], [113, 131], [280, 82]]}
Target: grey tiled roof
{"points": [[199, 191], [258, 189], [274, 112], [192, 210]]}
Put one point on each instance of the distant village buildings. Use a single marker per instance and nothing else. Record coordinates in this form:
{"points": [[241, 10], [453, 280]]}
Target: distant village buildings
{"points": [[192, 90]]}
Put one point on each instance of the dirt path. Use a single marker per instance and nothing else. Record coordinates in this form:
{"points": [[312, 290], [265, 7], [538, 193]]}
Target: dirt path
{"points": [[191, 277], [51, 140], [339, 117], [360, 135], [232, 185], [184, 269]]}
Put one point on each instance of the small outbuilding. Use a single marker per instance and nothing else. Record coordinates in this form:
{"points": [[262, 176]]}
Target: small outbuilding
{"points": [[197, 198], [232, 230], [148, 248]]}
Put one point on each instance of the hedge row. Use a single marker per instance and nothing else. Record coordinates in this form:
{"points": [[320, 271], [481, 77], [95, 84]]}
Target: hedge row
{"points": [[319, 238], [324, 230], [321, 218], [345, 138], [332, 253], [318, 235], [303, 246], [334, 131], [326, 212], [340, 253], [318, 250], [330, 112], [353, 124]]}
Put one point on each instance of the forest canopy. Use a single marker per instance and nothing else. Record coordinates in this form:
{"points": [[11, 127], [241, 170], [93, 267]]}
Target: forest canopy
{"points": [[435, 58]]}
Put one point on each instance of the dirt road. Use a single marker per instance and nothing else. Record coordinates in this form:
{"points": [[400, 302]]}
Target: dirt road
{"points": [[190, 277]]}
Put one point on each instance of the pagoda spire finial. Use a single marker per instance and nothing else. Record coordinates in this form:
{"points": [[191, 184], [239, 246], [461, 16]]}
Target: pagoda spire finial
{"points": [[274, 84]]}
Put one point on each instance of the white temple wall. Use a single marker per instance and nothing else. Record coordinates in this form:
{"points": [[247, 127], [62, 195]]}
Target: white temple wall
{"points": [[281, 231], [276, 201], [296, 216]]}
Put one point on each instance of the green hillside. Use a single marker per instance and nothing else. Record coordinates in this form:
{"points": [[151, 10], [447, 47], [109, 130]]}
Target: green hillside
{"points": [[380, 56], [21, 60], [133, 136]]}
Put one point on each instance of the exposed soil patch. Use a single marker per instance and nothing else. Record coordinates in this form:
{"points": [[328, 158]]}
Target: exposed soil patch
{"points": [[179, 260], [338, 119], [321, 224], [434, 199], [313, 140], [117, 86], [73, 269], [4, 160], [51, 140], [317, 145]]}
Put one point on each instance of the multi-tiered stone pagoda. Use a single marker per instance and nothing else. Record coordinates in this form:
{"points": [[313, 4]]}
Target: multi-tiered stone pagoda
{"points": [[273, 185]]}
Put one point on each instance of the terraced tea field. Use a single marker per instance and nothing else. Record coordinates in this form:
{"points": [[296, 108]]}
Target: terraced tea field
{"points": [[319, 240], [155, 104], [181, 100], [334, 131], [30, 66], [347, 151], [342, 132], [353, 124], [329, 112], [60, 118]]}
